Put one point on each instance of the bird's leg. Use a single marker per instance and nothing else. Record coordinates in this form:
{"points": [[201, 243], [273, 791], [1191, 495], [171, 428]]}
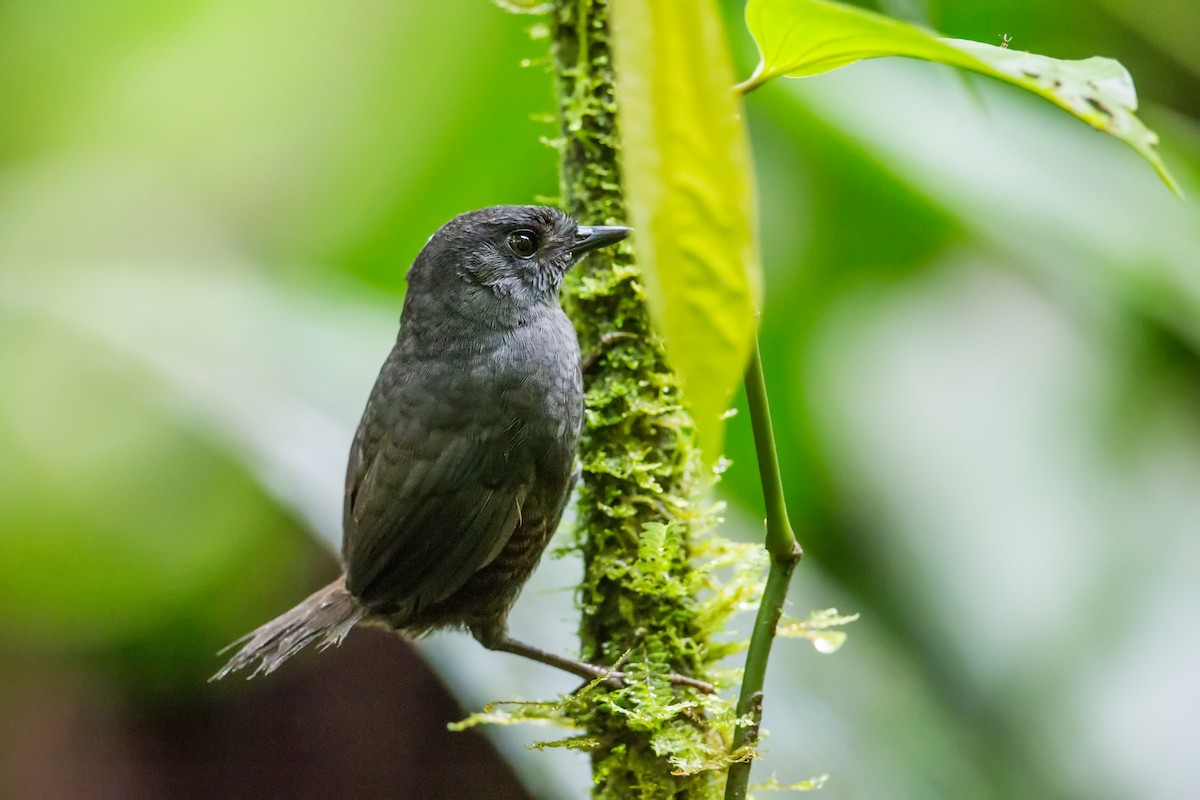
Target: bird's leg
{"points": [[606, 341], [589, 672], [498, 639]]}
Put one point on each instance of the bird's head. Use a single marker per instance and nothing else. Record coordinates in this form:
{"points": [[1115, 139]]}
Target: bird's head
{"points": [[498, 264]]}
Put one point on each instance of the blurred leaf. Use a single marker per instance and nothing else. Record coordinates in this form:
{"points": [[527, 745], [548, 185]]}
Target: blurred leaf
{"points": [[690, 193], [1172, 26], [327, 155], [799, 38], [114, 523], [817, 629], [279, 362], [1066, 205], [773, 785]]}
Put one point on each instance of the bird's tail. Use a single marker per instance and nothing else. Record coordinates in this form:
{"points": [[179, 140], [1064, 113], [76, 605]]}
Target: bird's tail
{"points": [[328, 615]]}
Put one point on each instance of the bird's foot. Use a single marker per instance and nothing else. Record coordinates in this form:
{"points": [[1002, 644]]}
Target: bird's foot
{"points": [[615, 679]]}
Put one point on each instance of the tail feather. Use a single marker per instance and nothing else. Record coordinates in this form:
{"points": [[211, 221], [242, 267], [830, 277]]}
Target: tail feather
{"points": [[327, 615]]}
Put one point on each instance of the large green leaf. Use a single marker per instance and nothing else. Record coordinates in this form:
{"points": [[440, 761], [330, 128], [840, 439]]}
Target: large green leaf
{"points": [[798, 38], [686, 167]]}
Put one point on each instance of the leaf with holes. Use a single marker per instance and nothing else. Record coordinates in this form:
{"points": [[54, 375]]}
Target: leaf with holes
{"points": [[798, 38]]}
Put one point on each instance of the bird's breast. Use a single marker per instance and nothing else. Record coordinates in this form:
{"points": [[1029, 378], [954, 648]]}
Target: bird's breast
{"points": [[523, 382]]}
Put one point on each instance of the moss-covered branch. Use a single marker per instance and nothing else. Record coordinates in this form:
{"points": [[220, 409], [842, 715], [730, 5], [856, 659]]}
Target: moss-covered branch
{"points": [[638, 503]]}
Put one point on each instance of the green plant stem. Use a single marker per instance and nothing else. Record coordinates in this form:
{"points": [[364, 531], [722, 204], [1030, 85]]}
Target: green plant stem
{"points": [[780, 540], [750, 84], [785, 554]]}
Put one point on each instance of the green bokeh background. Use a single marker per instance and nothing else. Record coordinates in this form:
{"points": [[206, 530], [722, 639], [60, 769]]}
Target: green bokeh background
{"points": [[980, 334]]}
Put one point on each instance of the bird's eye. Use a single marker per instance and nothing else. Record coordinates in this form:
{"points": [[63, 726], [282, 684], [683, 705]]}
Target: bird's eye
{"points": [[523, 243]]}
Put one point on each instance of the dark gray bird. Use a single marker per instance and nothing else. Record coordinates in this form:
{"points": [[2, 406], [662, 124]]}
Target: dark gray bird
{"points": [[465, 455]]}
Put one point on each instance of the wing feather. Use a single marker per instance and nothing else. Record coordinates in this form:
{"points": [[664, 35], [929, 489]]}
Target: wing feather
{"points": [[434, 491]]}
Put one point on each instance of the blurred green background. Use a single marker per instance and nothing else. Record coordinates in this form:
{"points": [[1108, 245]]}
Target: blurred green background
{"points": [[981, 339]]}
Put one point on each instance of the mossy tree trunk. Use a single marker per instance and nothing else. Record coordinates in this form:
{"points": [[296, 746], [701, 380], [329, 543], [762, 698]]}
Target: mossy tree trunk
{"points": [[641, 468]]}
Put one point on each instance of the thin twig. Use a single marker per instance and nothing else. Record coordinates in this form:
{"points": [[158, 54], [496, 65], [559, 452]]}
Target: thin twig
{"points": [[785, 554]]}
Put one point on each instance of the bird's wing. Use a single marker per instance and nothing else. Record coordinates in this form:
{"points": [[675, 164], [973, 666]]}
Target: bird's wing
{"points": [[433, 493]]}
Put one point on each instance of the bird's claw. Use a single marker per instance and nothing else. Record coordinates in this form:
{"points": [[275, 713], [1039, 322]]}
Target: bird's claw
{"points": [[614, 680]]}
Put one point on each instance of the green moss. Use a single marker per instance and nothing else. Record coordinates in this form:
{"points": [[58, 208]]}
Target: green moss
{"points": [[651, 739], [639, 510]]}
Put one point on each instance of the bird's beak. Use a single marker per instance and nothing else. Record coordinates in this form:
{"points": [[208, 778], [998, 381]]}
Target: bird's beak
{"points": [[589, 237]]}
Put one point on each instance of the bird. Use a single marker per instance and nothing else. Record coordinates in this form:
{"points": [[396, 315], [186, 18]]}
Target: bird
{"points": [[466, 453]]}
